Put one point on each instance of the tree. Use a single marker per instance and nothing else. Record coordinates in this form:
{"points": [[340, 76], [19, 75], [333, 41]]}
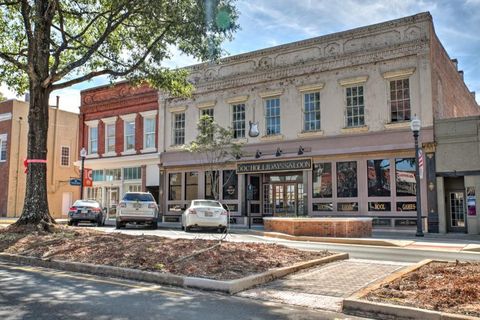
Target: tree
{"points": [[52, 44], [216, 147], [2, 97]]}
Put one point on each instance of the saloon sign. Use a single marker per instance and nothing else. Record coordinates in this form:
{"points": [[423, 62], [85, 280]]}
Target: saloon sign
{"points": [[273, 166]]}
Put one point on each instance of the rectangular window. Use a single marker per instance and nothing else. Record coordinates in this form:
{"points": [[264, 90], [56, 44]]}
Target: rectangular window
{"points": [[211, 179], [97, 175], [179, 129], [230, 190], [378, 175], [355, 116], [3, 148], [149, 133], [322, 206], [238, 120], [110, 137], [94, 193], [322, 180], [65, 157], [311, 111], [132, 173], [93, 140], [175, 186], [134, 188], [272, 116], [347, 179], [405, 177], [207, 112], [129, 135], [113, 174], [400, 100], [347, 206], [191, 185]]}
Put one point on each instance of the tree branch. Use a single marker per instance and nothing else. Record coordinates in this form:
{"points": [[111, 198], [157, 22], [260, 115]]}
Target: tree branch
{"points": [[11, 60]]}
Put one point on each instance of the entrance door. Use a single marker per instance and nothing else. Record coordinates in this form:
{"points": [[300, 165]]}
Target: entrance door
{"points": [[285, 199], [113, 197], [66, 202], [456, 211]]}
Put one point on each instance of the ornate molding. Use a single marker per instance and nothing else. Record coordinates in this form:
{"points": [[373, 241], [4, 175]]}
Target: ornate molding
{"points": [[311, 87], [352, 81], [398, 73]]}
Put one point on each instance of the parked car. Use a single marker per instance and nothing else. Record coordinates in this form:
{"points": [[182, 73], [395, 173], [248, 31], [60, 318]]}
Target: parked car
{"points": [[137, 208], [86, 211], [205, 214]]}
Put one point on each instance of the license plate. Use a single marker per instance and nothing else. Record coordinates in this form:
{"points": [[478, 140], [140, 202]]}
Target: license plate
{"points": [[137, 205], [208, 214], [84, 211]]}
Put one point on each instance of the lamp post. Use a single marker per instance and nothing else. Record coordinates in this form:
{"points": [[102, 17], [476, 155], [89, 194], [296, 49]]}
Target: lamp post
{"points": [[83, 154], [415, 125]]}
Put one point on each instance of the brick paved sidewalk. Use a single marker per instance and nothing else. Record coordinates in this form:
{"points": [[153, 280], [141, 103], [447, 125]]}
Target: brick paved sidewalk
{"points": [[326, 286]]}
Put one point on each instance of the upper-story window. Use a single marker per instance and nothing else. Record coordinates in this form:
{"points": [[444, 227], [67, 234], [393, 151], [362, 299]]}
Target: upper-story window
{"points": [[149, 133], [3, 147], [238, 120], [92, 140], [129, 135], [110, 137], [65, 156], [179, 128], [400, 100], [272, 116], [207, 112], [355, 112], [311, 111], [134, 173]]}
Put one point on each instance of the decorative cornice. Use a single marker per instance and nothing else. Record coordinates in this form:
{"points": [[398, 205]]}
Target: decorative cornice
{"points": [[206, 104], [177, 109], [238, 99], [311, 87], [268, 94], [398, 73], [109, 120], [352, 81], [91, 123], [128, 117], [149, 114]]}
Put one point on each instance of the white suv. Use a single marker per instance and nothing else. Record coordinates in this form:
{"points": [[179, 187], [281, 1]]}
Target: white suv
{"points": [[138, 208]]}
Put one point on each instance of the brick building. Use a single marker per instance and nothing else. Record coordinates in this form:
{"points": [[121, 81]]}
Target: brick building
{"points": [[62, 148], [119, 130]]}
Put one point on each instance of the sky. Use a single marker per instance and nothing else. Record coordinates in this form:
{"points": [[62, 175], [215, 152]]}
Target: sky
{"points": [[267, 23]]}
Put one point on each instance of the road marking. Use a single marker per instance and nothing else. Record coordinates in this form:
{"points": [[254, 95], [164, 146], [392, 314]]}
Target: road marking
{"points": [[64, 274]]}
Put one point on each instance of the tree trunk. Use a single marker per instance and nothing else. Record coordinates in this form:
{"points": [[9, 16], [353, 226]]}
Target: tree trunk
{"points": [[35, 209]]}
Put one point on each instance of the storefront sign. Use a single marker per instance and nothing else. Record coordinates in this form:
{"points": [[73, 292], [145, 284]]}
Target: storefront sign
{"points": [[471, 201], [406, 206], [322, 206], [273, 166], [347, 206], [379, 206]]}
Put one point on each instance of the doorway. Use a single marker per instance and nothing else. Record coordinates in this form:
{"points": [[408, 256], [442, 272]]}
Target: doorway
{"points": [[455, 205], [283, 194], [66, 202]]}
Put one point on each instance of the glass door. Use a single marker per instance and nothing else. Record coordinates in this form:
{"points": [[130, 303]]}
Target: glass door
{"points": [[456, 206], [113, 197]]}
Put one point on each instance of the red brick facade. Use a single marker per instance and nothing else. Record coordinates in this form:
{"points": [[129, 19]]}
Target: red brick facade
{"points": [[116, 101], [5, 128]]}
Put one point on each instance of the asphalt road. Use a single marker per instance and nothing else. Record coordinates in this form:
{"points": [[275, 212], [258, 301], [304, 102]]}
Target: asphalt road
{"points": [[355, 251], [36, 293]]}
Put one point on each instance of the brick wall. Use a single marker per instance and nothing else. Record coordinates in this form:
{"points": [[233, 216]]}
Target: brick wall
{"points": [[138, 133], [119, 136], [101, 137], [5, 128], [451, 97]]}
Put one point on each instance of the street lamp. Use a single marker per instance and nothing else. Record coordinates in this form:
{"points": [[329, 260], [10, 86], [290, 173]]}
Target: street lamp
{"points": [[415, 125], [83, 154]]}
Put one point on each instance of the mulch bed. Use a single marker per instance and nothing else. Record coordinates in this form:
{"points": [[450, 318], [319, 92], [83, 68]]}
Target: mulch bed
{"points": [[230, 260], [447, 287]]}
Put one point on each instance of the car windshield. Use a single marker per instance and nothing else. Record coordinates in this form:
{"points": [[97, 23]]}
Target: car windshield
{"points": [[86, 203], [206, 203], [138, 197]]}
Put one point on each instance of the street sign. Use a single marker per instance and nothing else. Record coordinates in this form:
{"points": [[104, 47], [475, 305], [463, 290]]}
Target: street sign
{"points": [[75, 182]]}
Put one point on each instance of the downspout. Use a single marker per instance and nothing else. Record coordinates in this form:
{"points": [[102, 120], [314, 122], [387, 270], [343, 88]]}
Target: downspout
{"points": [[54, 148], [18, 165]]}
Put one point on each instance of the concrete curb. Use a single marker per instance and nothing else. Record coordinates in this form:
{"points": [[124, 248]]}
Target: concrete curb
{"points": [[359, 241], [230, 286], [355, 305]]}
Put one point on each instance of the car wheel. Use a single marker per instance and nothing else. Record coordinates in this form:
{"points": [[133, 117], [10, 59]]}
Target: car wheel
{"points": [[223, 229], [75, 223], [154, 225], [182, 227], [188, 229], [118, 225], [69, 223], [99, 221]]}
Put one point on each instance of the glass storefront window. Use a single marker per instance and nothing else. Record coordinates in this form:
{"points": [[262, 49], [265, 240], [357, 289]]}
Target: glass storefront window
{"points": [[134, 188], [132, 173], [405, 177], [113, 174], [255, 182], [175, 186], [230, 191], [322, 206], [378, 175], [94, 193], [347, 179], [97, 175], [211, 179], [322, 180], [191, 185]]}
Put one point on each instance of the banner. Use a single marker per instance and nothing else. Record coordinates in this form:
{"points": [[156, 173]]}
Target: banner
{"points": [[87, 177], [421, 163]]}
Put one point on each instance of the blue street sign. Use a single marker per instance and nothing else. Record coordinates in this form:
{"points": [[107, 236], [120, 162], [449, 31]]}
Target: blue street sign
{"points": [[75, 182]]}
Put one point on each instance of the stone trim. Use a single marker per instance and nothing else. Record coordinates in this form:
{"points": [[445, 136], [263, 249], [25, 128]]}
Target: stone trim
{"points": [[129, 117], [128, 152], [238, 99], [110, 120], [206, 104], [269, 94], [177, 109], [275, 137], [397, 125], [351, 81], [148, 150], [354, 130], [149, 114], [309, 134], [91, 123], [402, 73], [311, 87]]}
